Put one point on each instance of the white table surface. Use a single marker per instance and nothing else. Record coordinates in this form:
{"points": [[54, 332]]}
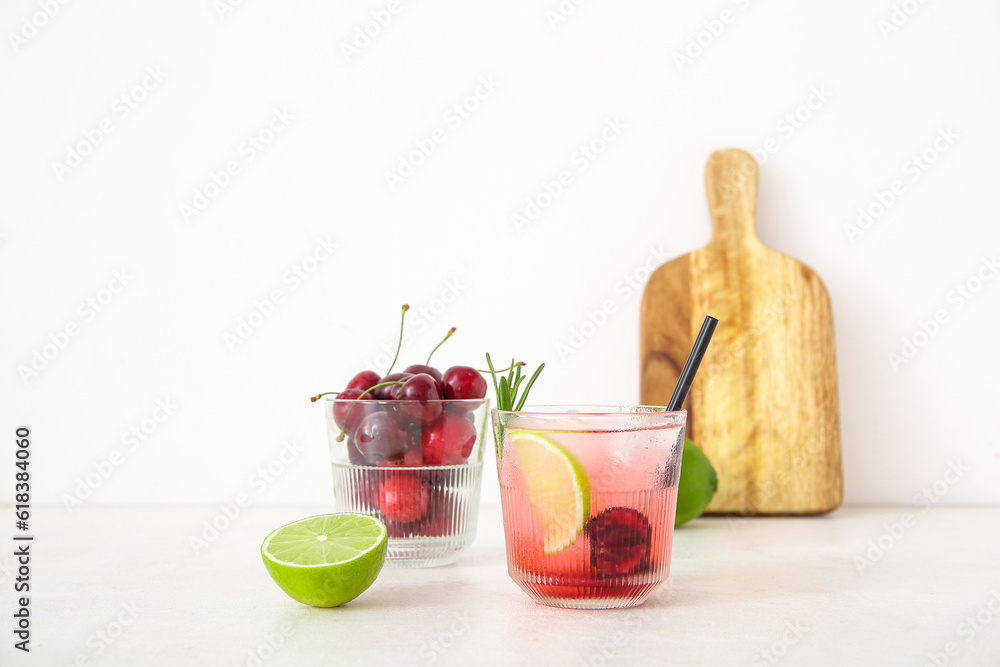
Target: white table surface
{"points": [[759, 591]]}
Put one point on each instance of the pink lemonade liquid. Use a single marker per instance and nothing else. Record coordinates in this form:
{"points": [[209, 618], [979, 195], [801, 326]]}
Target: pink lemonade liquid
{"points": [[622, 552]]}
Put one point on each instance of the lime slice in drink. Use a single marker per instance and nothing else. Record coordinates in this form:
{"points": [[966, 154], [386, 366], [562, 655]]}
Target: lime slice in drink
{"points": [[326, 560], [557, 487]]}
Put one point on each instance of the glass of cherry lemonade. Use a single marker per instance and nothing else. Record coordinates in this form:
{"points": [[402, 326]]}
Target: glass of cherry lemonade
{"points": [[416, 465], [589, 495]]}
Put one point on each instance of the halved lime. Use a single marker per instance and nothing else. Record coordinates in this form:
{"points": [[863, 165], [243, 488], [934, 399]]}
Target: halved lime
{"points": [[697, 484], [557, 487], [326, 560]]}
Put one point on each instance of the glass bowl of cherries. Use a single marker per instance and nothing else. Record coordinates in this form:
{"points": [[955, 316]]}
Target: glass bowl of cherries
{"points": [[407, 447]]}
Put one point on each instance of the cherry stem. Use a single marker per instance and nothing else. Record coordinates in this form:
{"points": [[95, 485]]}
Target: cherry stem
{"points": [[446, 337], [325, 393], [343, 429], [502, 370], [402, 319]]}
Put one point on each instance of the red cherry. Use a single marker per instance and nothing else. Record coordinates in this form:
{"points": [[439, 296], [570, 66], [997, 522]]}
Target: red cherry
{"points": [[449, 441], [420, 400], [390, 392], [384, 436], [397, 528], [363, 380], [620, 541], [462, 382], [424, 368], [412, 458], [364, 496], [438, 523], [404, 496], [349, 409], [354, 455]]}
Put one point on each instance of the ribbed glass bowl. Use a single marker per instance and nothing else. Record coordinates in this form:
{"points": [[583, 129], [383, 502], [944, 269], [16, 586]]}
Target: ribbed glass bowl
{"points": [[416, 466]]}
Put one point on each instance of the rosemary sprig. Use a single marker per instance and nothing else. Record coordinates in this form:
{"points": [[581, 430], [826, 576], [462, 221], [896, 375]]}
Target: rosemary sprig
{"points": [[506, 389], [507, 386], [502, 370]]}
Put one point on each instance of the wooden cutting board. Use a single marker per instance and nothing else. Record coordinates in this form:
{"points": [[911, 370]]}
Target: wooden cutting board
{"points": [[764, 403]]}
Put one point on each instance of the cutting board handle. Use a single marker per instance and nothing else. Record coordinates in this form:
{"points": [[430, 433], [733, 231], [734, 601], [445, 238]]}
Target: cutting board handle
{"points": [[731, 184]]}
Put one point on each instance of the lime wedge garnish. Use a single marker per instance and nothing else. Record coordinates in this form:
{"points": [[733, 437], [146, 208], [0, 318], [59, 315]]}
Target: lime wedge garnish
{"points": [[326, 560], [557, 487]]}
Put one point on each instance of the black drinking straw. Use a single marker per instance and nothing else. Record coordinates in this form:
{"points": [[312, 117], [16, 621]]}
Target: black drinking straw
{"points": [[692, 364]]}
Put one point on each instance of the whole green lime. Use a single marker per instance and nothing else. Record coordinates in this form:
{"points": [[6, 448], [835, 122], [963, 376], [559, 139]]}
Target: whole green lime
{"points": [[697, 484]]}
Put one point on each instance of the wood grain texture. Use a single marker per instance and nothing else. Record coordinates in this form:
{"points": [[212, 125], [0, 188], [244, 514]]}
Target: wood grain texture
{"points": [[764, 405]]}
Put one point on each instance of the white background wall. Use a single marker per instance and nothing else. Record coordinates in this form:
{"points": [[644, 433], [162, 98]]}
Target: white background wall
{"points": [[886, 95]]}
